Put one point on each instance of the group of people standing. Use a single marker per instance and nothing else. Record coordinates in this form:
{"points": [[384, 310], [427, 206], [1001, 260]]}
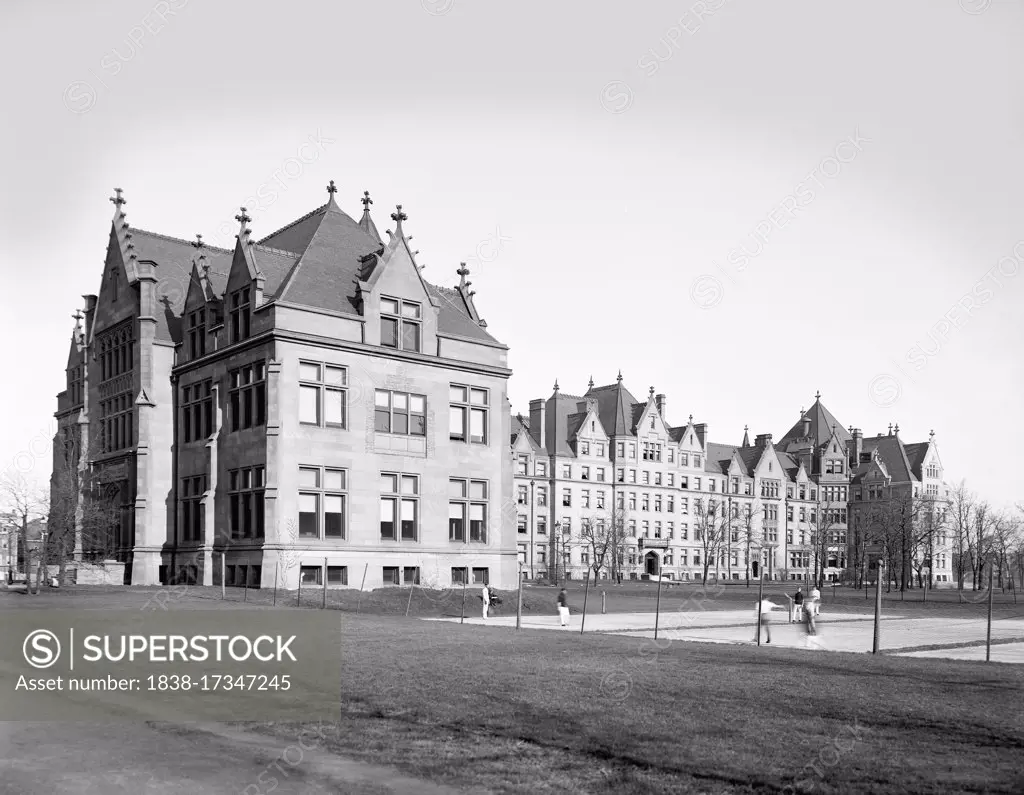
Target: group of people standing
{"points": [[800, 609]]}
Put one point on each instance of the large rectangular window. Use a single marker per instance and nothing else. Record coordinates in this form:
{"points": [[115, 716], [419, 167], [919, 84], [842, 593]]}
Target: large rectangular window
{"points": [[468, 414], [240, 312], [399, 506], [197, 333], [467, 498], [192, 490], [245, 497], [399, 412], [247, 396], [117, 422], [323, 499], [197, 411], [401, 324], [116, 351], [323, 393]]}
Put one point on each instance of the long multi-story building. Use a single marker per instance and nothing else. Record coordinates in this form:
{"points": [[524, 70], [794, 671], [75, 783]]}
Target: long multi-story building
{"points": [[302, 407], [605, 465]]}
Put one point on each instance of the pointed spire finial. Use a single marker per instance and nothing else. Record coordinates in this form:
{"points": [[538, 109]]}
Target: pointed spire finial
{"points": [[118, 199], [890, 429], [897, 429], [619, 378], [651, 393], [817, 395], [78, 317], [591, 384], [931, 434], [243, 219], [463, 272], [691, 419], [198, 242], [398, 216], [556, 386], [331, 189], [367, 201]]}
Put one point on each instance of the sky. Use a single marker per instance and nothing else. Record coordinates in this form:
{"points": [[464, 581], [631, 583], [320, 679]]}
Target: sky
{"points": [[736, 202]]}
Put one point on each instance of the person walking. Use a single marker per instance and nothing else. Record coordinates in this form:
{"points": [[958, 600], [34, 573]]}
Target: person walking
{"points": [[816, 599], [798, 607], [810, 627], [563, 608], [486, 596], [764, 609]]}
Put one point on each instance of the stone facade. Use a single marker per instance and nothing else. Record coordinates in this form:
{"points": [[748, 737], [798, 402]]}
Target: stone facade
{"points": [[285, 397], [606, 459]]}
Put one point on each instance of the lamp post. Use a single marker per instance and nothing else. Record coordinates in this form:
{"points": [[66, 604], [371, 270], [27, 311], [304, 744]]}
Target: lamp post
{"points": [[554, 550]]}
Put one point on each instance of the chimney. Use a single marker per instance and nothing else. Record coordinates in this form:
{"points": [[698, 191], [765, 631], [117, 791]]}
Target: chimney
{"points": [[762, 440], [805, 429], [90, 314], [855, 446], [659, 401], [702, 434], [537, 421]]}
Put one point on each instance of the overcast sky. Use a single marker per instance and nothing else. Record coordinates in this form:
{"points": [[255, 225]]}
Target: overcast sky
{"points": [[738, 208]]}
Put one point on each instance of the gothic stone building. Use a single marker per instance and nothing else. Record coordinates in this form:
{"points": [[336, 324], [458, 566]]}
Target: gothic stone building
{"points": [[604, 456], [283, 407]]}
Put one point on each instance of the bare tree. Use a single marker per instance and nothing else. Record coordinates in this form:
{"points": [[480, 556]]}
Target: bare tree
{"points": [[604, 536], [962, 503], [711, 529], [979, 541], [822, 521], [750, 531], [22, 502]]}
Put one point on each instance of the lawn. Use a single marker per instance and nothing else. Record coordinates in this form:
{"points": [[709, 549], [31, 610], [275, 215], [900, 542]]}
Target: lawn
{"points": [[492, 709]]}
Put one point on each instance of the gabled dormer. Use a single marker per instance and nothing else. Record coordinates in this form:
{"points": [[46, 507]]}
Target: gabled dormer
{"points": [[400, 311], [832, 455], [588, 432], [244, 292], [117, 300]]}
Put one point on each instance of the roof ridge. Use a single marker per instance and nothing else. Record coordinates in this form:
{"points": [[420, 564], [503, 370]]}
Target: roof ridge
{"points": [[135, 229], [273, 250], [310, 214]]}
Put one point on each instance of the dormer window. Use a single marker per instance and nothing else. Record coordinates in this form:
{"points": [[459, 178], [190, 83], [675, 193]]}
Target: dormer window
{"points": [[197, 334], [240, 306], [400, 324]]}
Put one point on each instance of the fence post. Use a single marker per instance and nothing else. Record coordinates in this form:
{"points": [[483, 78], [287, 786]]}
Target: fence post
{"points": [[586, 590], [604, 602], [878, 610], [988, 633], [519, 600], [760, 598], [366, 568], [223, 578]]}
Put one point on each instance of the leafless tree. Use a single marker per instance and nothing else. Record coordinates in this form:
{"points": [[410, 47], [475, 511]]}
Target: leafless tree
{"points": [[962, 503], [749, 530], [822, 520], [979, 541], [604, 537], [710, 529], [22, 502]]}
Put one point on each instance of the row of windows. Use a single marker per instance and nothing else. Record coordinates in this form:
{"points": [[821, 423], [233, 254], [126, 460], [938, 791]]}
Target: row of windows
{"points": [[390, 575], [116, 351], [117, 423]]}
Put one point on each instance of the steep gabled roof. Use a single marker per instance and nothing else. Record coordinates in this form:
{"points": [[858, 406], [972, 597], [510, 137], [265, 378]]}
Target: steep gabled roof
{"points": [[890, 451], [521, 430], [453, 318], [822, 423], [719, 457], [174, 259], [916, 453], [615, 408]]}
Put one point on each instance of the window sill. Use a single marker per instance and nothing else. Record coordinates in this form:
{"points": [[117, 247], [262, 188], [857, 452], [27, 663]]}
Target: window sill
{"points": [[395, 443]]}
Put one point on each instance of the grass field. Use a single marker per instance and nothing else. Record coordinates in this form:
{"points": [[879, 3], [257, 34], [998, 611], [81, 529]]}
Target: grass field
{"points": [[487, 708]]}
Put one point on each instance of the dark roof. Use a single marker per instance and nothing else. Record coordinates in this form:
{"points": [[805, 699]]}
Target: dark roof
{"points": [[718, 457], [916, 453], [890, 450], [822, 423], [615, 409], [313, 261], [174, 258]]}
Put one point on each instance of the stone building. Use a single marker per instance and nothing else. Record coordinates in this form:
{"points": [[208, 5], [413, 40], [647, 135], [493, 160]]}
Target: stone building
{"points": [[282, 408], [604, 459]]}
